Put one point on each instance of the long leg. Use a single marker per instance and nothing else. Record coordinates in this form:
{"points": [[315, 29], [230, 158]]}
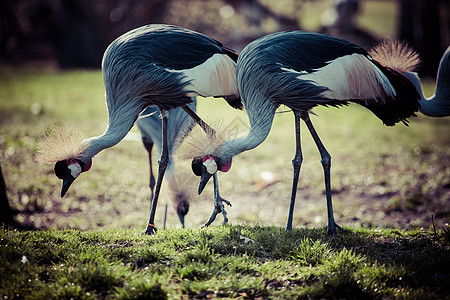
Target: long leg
{"points": [[208, 129], [148, 144], [296, 163], [163, 161], [218, 205], [326, 163]]}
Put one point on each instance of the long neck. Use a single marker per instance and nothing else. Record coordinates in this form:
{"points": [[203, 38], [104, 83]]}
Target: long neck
{"points": [[120, 122], [437, 105], [443, 77], [260, 115]]}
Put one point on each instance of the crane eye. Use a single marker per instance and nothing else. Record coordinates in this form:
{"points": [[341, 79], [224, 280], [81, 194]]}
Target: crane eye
{"points": [[60, 169]]}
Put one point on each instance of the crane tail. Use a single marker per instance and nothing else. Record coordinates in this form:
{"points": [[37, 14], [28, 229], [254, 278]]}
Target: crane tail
{"points": [[402, 105], [231, 53], [235, 102]]}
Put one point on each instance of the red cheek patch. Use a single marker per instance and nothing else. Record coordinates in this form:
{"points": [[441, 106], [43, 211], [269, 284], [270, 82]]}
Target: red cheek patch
{"points": [[71, 161], [226, 167], [206, 157], [88, 166]]}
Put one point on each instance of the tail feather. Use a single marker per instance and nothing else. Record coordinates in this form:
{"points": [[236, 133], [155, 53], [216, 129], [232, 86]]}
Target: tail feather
{"points": [[231, 53], [402, 106], [235, 102]]}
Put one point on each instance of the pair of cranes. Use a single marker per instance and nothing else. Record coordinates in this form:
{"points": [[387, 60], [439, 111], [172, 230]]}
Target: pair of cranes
{"points": [[165, 67]]}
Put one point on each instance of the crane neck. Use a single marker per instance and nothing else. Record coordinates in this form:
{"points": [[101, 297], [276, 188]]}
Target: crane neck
{"points": [[438, 105], [260, 115], [120, 122]]}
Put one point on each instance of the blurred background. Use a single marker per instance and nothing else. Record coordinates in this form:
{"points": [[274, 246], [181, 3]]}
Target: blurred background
{"points": [[50, 57], [74, 33]]}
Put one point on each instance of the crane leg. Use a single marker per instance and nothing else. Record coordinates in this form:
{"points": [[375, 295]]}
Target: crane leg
{"points": [[296, 163], [218, 205], [208, 129], [148, 144], [326, 163], [163, 161]]}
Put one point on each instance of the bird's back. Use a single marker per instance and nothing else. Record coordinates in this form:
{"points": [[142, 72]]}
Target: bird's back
{"points": [[300, 50], [167, 46], [304, 69], [145, 63], [264, 64]]}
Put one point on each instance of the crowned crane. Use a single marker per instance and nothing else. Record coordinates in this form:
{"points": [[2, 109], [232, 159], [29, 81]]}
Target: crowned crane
{"points": [[302, 70], [178, 125], [153, 65]]}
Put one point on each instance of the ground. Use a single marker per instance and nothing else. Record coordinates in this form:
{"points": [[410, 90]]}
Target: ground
{"points": [[402, 188]]}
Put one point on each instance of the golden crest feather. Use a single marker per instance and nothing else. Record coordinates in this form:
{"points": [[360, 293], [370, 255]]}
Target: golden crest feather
{"points": [[397, 55], [197, 143], [60, 143]]}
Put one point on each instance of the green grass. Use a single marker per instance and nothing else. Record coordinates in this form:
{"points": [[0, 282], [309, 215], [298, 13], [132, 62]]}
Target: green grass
{"points": [[224, 262]]}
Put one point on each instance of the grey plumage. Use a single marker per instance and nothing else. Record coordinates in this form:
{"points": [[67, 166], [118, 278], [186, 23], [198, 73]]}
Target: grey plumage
{"points": [[154, 65], [302, 70]]}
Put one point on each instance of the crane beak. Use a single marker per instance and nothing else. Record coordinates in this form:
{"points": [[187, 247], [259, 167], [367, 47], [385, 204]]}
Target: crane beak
{"points": [[182, 207], [181, 217], [203, 179], [67, 181]]}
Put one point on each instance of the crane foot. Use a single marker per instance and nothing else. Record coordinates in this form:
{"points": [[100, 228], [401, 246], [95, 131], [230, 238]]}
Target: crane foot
{"points": [[218, 208], [150, 230], [331, 229]]}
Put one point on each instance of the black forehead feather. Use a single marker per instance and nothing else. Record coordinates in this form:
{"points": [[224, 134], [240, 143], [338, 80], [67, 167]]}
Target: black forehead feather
{"points": [[60, 169], [197, 163]]}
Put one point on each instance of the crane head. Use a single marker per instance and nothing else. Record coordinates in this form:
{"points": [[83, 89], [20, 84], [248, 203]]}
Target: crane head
{"points": [[68, 170], [181, 205], [206, 166]]}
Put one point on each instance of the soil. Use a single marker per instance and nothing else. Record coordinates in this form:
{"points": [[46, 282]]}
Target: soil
{"points": [[262, 204]]}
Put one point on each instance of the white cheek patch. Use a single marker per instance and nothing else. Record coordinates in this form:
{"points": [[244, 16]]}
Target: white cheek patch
{"points": [[210, 165], [75, 169]]}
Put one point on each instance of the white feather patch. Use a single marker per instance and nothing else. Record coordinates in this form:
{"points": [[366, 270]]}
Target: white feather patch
{"points": [[75, 169], [215, 77], [210, 165], [351, 77]]}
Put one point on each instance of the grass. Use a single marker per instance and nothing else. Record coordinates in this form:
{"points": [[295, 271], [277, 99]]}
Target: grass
{"points": [[225, 262]]}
